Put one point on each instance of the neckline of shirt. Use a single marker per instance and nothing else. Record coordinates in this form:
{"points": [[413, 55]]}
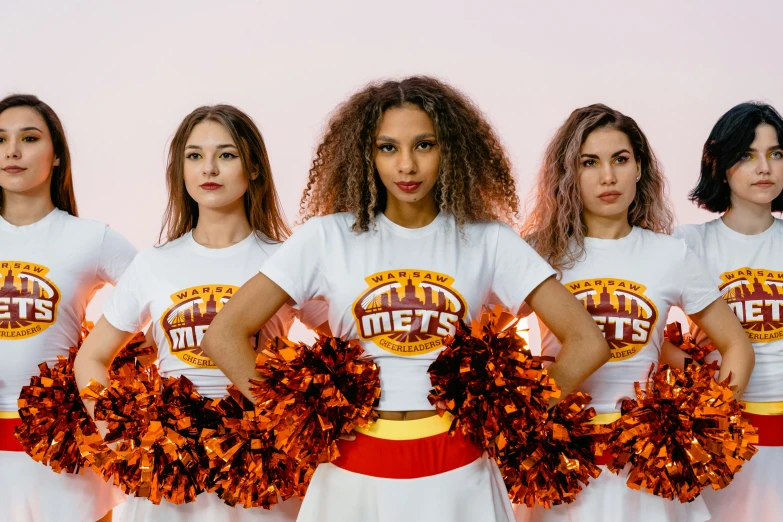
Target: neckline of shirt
{"points": [[724, 229], [595, 242], [220, 252], [32, 227], [399, 230]]}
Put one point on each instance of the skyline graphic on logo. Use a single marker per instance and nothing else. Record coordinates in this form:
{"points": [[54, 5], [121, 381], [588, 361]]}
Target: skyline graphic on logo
{"points": [[621, 310], [186, 322], [408, 312], [28, 301], [755, 296]]}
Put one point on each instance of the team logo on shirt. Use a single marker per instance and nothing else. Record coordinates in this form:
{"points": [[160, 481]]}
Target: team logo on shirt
{"points": [[621, 311], [186, 321], [28, 300], [756, 296], [408, 312]]}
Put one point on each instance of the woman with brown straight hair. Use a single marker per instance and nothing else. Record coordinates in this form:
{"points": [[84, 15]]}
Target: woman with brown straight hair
{"points": [[51, 264], [601, 218], [223, 220]]}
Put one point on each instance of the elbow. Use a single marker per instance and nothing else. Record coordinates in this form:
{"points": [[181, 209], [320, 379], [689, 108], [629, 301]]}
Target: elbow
{"points": [[208, 343], [605, 352], [750, 354], [601, 351], [79, 362]]}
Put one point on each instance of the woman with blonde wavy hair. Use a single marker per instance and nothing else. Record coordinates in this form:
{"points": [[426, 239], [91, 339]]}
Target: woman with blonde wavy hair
{"points": [[406, 201], [601, 218]]}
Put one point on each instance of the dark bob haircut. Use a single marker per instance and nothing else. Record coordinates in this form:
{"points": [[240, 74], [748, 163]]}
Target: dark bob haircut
{"points": [[730, 138]]}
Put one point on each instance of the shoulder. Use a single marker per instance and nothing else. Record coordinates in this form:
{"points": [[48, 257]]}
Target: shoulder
{"points": [[264, 246], [166, 250], [489, 229], [340, 223], [693, 234], [83, 227], [665, 243]]}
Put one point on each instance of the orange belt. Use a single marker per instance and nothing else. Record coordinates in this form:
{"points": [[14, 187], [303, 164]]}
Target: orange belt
{"points": [[406, 449], [8, 422]]}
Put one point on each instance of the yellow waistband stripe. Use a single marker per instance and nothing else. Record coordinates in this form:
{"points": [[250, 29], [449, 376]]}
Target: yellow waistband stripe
{"points": [[9, 414], [408, 429], [605, 418], [764, 408]]}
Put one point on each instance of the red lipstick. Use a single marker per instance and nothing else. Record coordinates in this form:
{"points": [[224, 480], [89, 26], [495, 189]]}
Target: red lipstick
{"points": [[211, 186], [408, 186]]}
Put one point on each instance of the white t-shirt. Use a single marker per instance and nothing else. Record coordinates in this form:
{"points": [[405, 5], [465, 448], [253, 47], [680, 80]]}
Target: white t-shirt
{"points": [[748, 271], [400, 290], [181, 286], [628, 285], [50, 271]]}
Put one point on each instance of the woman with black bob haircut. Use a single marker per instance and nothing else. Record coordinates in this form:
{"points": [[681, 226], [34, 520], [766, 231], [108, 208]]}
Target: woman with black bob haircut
{"points": [[742, 177], [729, 140]]}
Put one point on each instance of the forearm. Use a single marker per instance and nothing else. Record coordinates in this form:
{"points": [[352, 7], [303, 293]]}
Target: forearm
{"points": [[235, 357], [579, 357], [96, 354], [227, 341], [722, 327], [87, 369], [737, 361]]}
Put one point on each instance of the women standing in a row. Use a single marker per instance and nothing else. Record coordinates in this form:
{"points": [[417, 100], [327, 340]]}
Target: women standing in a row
{"points": [[51, 264], [742, 177], [601, 218], [223, 221], [406, 202]]}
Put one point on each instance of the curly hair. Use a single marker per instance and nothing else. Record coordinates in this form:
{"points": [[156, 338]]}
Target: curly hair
{"points": [[474, 182], [555, 227]]}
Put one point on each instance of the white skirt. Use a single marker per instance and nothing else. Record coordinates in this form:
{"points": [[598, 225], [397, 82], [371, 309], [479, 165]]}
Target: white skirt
{"points": [[471, 493], [755, 494], [208, 507], [609, 499], [32, 492]]}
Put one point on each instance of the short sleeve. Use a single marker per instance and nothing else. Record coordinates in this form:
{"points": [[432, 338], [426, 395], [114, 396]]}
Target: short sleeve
{"points": [[116, 255], [698, 288], [518, 269], [296, 265], [128, 307]]}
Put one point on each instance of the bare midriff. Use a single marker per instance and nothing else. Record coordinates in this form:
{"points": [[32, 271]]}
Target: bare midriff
{"points": [[406, 415]]}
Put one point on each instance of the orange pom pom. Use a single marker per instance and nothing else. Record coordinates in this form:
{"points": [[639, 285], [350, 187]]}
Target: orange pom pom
{"points": [[684, 432]]}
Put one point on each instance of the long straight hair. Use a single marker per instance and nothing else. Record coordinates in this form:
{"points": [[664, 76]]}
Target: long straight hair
{"points": [[61, 189], [262, 204]]}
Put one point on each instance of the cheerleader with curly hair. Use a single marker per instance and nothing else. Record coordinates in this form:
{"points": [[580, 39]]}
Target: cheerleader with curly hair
{"points": [[406, 234]]}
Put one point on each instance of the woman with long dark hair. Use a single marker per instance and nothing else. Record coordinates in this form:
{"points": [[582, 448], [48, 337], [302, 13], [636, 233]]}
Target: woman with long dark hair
{"points": [[223, 220], [51, 262], [406, 235]]}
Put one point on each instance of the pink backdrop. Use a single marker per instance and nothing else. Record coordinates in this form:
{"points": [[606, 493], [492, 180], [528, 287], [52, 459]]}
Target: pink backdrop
{"points": [[122, 76]]}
